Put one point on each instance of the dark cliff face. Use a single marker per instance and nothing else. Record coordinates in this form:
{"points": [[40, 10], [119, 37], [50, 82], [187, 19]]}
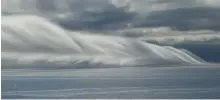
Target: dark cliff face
{"points": [[206, 51]]}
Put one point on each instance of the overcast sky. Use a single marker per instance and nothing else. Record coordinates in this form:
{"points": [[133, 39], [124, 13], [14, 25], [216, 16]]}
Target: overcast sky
{"points": [[116, 14]]}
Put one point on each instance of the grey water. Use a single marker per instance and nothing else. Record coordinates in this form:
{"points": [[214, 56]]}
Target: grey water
{"points": [[176, 82]]}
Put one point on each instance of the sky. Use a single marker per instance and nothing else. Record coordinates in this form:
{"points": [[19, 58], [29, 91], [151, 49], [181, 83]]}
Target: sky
{"points": [[181, 15], [141, 19]]}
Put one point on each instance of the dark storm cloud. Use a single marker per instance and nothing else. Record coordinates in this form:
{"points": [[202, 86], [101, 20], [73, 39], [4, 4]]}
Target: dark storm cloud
{"points": [[179, 19], [116, 14], [110, 17], [184, 19]]}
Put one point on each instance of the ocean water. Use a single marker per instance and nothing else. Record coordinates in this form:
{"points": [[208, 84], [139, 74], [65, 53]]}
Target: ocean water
{"points": [[176, 82]]}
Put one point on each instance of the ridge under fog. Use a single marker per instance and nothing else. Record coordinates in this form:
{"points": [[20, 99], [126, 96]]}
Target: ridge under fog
{"points": [[99, 31]]}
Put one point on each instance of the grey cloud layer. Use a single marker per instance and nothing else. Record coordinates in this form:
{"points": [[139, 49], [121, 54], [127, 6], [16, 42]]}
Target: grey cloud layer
{"points": [[184, 19], [114, 14]]}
